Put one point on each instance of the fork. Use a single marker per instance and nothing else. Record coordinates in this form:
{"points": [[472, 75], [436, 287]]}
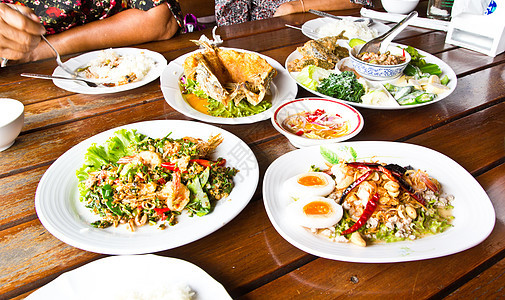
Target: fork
{"points": [[380, 44], [58, 59]]}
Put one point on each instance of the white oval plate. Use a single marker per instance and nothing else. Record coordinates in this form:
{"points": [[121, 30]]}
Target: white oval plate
{"points": [[123, 277], [446, 70], [311, 28], [474, 214], [62, 214], [283, 87], [86, 58]]}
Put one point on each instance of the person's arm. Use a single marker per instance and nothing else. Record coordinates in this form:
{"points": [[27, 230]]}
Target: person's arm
{"points": [[20, 31], [296, 6], [131, 26]]}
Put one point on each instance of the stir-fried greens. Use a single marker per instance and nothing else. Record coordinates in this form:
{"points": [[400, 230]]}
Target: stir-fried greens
{"points": [[135, 180], [343, 86]]}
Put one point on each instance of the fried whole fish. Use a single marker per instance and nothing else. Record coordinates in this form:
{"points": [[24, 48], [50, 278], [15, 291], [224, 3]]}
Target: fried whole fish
{"points": [[229, 75], [323, 52]]}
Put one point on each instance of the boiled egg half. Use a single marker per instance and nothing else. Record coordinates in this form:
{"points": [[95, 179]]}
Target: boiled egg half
{"points": [[315, 212], [310, 184]]}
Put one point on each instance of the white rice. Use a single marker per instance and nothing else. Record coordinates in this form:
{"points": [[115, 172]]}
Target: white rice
{"points": [[352, 29], [111, 67]]}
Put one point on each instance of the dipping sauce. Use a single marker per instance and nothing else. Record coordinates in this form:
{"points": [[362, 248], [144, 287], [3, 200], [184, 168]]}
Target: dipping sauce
{"points": [[317, 125], [385, 59]]}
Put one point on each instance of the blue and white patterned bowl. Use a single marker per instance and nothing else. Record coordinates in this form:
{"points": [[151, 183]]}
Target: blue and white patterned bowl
{"points": [[379, 72]]}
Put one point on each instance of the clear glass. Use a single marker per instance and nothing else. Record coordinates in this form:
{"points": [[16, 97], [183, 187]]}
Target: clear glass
{"points": [[439, 9]]}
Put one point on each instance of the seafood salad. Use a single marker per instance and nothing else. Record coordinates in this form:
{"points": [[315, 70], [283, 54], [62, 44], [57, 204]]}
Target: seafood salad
{"points": [[136, 180], [368, 202]]}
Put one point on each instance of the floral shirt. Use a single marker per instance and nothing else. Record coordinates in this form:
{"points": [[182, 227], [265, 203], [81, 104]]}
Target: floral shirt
{"points": [[60, 15], [238, 11]]}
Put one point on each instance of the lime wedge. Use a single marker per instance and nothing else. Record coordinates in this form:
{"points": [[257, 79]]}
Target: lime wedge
{"points": [[355, 42]]}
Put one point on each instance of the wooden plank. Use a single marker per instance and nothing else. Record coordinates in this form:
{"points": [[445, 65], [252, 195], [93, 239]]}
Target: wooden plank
{"points": [[34, 257]]}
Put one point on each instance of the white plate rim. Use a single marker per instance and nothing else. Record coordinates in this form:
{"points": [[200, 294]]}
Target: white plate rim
{"points": [[61, 213], [446, 70], [83, 59], [76, 281], [309, 28], [283, 86], [462, 236]]}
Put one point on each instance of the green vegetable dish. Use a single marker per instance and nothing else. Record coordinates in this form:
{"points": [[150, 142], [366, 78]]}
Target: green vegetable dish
{"points": [[136, 180], [420, 83]]}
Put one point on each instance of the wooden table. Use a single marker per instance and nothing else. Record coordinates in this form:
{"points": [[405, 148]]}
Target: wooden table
{"points": [[247, 255]]}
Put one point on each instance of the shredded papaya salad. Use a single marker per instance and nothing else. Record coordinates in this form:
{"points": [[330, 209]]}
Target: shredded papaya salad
{"points": [[137, 180], [317, 124], [383, 202]]}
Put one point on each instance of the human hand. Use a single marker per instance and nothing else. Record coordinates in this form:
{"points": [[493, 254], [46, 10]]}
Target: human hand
{"points": [[20, 32], [287, 8]]}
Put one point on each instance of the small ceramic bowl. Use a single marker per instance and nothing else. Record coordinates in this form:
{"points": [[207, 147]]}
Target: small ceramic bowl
{"points": [[379, 72], [12, 117], [331, 107], [399, 6]]}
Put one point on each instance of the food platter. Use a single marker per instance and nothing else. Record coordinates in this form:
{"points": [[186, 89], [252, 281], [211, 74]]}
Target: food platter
{"points": [[311, 28], [130, 277], [446, 70], [282, 88], [84, 59], [474, 214], [58, 207]]}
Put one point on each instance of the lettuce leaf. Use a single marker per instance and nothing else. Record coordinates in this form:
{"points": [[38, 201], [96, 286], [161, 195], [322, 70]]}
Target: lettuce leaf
{"points": [[111, 151], [310, 76]]}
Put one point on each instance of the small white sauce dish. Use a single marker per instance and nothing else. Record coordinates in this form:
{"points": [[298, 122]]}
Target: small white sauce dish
{"points": [[379, 72], [330, 106], [12, 117], [402, 7]]}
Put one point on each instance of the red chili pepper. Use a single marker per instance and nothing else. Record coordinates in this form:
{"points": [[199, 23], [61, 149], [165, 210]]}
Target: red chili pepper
{"points": [[170, 166], [161, 212], [299, 132], [353, 185], [161, 181], [208, 163], [367, 213]]}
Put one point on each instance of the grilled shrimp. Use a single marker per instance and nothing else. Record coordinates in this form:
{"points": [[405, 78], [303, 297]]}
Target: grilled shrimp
{"points": [[175, 193], [148, 158]]}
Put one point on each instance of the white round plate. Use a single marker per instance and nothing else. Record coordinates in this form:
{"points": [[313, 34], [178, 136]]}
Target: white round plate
{"points": [[311, 28], [283, 87], [86, 58], [446, 70], [474, 214], [124, 277], [62, 214]]}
